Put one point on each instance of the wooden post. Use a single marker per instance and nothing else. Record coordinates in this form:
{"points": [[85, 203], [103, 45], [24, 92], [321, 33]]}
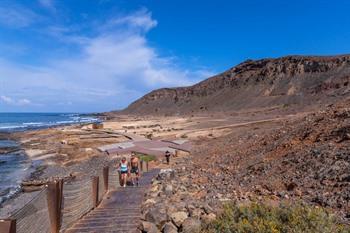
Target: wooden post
{"points": [[53, 205], [146, 165], [94, 191], [8, 225], [141, 165], [105, 177], [60, 200]]}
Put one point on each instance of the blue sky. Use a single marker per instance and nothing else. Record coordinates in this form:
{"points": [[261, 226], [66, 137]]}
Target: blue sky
{"points": [[100, 55]]}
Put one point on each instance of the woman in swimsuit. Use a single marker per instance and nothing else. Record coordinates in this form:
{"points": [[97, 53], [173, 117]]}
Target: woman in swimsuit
{"points": [[123, 171]]}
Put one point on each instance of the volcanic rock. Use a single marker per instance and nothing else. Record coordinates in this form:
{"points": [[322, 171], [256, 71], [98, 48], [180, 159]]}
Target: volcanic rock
{"points": [[286, 81], [178, 218]]}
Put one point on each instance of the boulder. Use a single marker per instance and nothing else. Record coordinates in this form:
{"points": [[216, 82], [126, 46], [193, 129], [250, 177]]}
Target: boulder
{"points": [[196, 212], [169, 228], [178, 218], [154, 188], [168, 189], [166, 174], [208, 209], [154, 194], [183, 188], [191, 225], [150, 201], [149, 227], [157, 216]]}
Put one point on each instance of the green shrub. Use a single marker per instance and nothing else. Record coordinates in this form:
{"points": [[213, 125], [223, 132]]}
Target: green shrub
{"points": [[261, 218], [146, 158]]}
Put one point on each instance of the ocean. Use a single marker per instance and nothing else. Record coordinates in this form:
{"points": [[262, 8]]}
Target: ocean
{"points": [[24, 121], [14, 164]]}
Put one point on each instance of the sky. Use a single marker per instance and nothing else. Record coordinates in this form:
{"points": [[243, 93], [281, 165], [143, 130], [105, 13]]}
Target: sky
{"points": [[100, 55]]}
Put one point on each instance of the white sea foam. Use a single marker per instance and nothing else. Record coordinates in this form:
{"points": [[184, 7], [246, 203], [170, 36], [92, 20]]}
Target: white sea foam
{"points": [[29, 122], [17, 166]]}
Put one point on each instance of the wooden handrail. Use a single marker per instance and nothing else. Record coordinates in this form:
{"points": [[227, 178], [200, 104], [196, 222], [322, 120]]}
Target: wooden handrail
{"points": [[95, 190], [53, 204], [54, 199], [8, 225], [105, 177]]}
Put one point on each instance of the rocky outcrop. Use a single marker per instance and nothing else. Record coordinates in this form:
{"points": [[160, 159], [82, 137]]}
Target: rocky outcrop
{"points": [[178, 211], [298, 80]]}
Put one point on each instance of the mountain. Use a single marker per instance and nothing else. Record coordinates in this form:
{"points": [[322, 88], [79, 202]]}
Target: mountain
{"points": [[280, 82]]}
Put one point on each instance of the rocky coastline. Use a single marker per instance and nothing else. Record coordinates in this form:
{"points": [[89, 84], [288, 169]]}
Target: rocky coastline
{"points": [[44, 168]]}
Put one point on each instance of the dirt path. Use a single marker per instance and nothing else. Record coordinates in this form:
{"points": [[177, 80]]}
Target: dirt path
{"points": [[230, 126]]}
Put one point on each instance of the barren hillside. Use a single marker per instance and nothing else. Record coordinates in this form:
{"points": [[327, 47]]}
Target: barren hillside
{"points": [[287, 81]]}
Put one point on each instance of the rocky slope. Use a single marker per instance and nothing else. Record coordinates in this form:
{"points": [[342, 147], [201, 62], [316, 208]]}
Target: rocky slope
{"points": [[286, 81], [305, 159], [302, 160]]}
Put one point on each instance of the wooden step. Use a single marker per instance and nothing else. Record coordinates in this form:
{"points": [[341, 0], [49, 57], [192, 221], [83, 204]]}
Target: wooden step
{"points": [[119, 211]]}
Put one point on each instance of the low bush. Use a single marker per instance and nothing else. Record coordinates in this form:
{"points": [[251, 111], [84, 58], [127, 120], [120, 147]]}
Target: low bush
{"points": [[146, 158], [262, 218]]}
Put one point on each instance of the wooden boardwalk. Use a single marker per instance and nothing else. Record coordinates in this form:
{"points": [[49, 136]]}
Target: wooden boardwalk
{"points": [[119, 211]]}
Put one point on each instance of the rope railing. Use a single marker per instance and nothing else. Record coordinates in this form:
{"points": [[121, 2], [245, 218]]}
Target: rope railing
{"points": [[61, 203], [35, 210], [76, 201], [113, 178]]}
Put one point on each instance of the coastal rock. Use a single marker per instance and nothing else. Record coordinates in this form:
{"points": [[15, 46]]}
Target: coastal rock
{"points": [[166, 174], [169, 228], [178, 218], [149, 227], [155, 188], [157, 215], [207, 208], [168, 189], [191, 225], [150, 201], [196, 212]]}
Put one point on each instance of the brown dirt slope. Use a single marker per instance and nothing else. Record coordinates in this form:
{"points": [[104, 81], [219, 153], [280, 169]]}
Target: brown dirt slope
{"points": [[286, 81], [306, 158]]}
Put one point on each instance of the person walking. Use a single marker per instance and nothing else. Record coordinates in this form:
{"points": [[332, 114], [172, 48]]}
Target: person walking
{"points": [[167, 157], [134, 162], [123, 171]]}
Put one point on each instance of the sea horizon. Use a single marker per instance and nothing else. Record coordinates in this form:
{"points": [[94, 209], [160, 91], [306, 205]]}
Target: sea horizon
{"points": [[12, 121]]}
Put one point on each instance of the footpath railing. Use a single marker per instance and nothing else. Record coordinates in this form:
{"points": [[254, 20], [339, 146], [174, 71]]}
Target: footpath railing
{"points": [[62, 202]]}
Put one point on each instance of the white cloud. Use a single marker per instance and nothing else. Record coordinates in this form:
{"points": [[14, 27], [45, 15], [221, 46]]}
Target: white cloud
{"points": [[141, 19], [48, 4], [16, 16], [10, 101], [112, 69], [6, 99], [24, 102]]}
